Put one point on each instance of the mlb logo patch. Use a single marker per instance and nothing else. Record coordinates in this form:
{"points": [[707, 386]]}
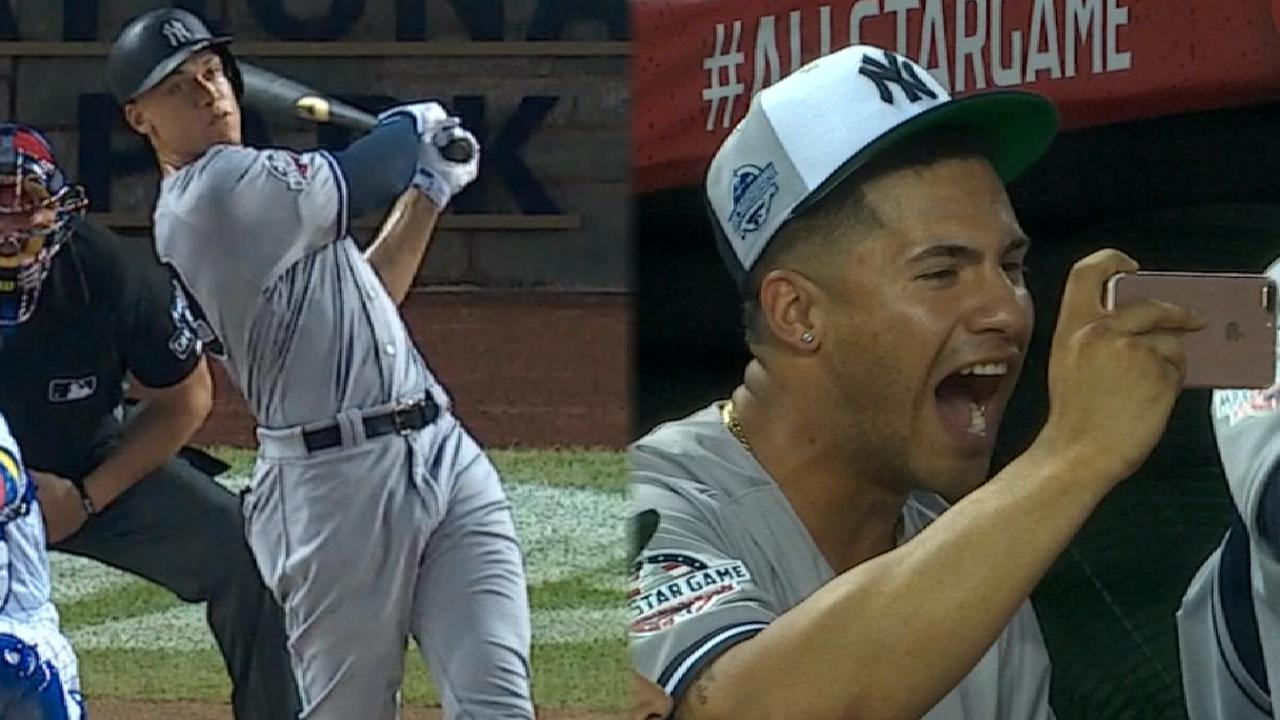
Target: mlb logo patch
{"points": [[62, 390]]}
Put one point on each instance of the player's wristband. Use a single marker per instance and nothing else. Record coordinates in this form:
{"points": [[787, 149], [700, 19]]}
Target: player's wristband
{"points": [[86, 502]]}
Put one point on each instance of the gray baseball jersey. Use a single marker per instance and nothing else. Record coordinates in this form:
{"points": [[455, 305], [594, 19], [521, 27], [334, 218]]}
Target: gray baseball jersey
{"points": [[1229, 622], [376, 539], [259, 237], [728, 554]]}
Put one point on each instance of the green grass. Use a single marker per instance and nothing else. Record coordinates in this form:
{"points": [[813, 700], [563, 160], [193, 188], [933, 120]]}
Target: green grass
{"points": [[240, 459], [580, 675], [588, 469], [153, 675], [132, 600], [575, 592], [583, 676]]}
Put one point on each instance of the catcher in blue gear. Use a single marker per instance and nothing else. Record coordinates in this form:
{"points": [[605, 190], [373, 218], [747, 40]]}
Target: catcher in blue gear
{"points": [[39, 679]]}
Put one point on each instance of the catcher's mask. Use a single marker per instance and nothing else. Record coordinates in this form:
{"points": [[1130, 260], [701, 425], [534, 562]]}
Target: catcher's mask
{"points": [[39, 210]]}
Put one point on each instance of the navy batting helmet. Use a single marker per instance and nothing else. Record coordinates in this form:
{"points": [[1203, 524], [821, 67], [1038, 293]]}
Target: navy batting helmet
{"points": [[154, 44]]}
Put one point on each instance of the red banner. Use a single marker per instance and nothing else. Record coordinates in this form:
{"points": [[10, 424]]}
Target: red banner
{"points": [[696, 64]]}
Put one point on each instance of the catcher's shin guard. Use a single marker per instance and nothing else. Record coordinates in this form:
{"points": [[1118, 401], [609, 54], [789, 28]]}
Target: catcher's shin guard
{"points": [[30, 688]]}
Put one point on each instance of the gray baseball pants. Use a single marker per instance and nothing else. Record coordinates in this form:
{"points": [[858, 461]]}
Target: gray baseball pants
{"points": [[379, 539]]}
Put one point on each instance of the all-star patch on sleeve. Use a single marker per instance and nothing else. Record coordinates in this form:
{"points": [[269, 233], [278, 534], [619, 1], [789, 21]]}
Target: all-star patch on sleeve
{"points": [[1246, 424], [691, 595], [668, 586]]}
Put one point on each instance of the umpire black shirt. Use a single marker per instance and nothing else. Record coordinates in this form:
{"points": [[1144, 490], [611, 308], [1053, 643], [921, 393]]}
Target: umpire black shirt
{"points": [[107, 308]]}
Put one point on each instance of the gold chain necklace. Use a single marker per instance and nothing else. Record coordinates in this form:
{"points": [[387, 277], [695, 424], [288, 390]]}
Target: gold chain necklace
{"points": [[730, 419]]}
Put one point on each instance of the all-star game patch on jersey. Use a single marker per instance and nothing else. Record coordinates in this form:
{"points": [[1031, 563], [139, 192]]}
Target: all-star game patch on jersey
{"points": [[721, 554]]}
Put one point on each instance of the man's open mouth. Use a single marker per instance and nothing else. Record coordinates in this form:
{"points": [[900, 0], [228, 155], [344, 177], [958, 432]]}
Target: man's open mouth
{"points": [[964, 398]]}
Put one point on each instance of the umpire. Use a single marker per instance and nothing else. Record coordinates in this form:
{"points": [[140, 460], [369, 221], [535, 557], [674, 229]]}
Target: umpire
{"points": [[81, 311]]}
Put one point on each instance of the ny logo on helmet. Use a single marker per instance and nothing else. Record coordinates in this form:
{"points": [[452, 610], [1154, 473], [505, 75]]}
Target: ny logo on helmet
{"points": [[176, 32], [894, 70]]}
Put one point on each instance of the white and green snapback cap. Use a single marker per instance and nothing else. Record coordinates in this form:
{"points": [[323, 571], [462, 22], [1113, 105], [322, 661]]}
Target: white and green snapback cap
{"points": [[806, 133]]}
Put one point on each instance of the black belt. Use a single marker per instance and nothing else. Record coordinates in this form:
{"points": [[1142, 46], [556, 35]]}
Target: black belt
{"points": [[402, 420]]}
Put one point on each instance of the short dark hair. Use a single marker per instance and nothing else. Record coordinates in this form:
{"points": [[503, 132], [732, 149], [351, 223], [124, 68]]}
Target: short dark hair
{"points": [[813, 233]]}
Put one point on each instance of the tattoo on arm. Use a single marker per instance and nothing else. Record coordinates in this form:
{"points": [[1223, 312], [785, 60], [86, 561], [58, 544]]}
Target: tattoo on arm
{"points": [[703, 684], [697, 694]]}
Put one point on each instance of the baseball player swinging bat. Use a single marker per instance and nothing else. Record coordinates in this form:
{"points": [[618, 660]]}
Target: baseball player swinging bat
{"points": [[277, 94], [337, 386]]}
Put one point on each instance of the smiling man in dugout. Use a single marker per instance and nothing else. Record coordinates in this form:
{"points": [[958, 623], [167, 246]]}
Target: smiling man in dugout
{"points": [[827, 543]]}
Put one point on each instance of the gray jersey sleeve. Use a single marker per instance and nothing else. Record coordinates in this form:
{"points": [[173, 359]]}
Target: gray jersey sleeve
{"points": [[1245, 575], [691, 594], [261, 210], [1246, 425]]}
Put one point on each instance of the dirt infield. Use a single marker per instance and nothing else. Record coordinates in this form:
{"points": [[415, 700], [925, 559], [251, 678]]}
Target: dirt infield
{"points": [[108, 709]]}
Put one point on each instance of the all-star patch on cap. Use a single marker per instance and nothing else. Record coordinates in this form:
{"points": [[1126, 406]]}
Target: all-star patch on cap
{"points": [[805, 134]]}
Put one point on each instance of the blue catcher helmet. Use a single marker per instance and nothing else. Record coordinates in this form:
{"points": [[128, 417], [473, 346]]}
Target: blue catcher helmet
{"points": [[39, 210]]}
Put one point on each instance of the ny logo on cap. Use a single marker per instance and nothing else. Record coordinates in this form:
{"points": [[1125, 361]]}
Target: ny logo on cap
{"points": [[894, 70], [176, 32]]}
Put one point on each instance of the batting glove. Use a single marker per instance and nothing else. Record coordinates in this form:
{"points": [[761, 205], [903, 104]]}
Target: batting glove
{"points": [[426, 116], [438, 177]]}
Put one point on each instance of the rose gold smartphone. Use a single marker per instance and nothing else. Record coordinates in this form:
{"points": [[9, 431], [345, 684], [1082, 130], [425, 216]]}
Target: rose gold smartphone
{"points": [[1238, 347]]}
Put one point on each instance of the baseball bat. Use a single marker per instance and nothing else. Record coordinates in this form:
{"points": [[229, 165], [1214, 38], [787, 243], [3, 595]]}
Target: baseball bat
{"points": [[275, 93]]}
